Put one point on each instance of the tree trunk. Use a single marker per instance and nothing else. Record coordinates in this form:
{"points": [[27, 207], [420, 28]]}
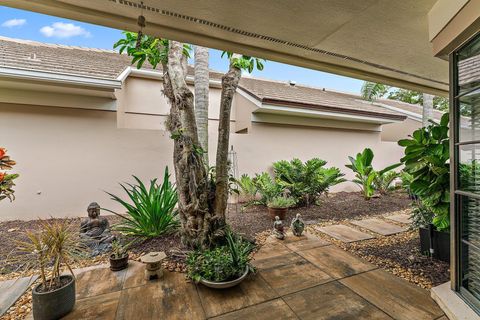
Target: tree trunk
{"points": [[201, 97], [427, 113], [229, 86], [190, 173]]}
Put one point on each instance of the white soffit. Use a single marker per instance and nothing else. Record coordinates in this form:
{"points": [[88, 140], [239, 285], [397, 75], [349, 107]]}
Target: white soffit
{"points": [[385, 41]]}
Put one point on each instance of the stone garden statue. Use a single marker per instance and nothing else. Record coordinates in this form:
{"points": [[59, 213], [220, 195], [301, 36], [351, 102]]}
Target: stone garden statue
{"points": [[297, 226], [95, 231], [278, 228]]}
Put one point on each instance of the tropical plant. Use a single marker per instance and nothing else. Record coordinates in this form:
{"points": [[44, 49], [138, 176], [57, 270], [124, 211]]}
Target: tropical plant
{"points": [[51, 249], [365, 175], [201, 208], [247, 187], [372, 91], [267, 188], [6, 180], [306, 181], [222, 263], [151, 212], [120, 249], [427, 160], [281, 202], [384, 179], [421, 216]]}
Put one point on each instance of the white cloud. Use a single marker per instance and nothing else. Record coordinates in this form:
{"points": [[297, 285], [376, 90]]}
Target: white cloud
{"points": [[64, 30], [14, 23]]}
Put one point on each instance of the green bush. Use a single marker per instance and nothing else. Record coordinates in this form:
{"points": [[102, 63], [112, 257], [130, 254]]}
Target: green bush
{"points": [[267, 188], [306, 181], [366, 177], [152, 211], [247, 187], [427, 161], [281, 202], [383, 181], [222, 263]]}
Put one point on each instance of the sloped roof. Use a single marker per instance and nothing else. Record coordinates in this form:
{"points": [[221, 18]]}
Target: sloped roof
{"points": [[108, 64]]}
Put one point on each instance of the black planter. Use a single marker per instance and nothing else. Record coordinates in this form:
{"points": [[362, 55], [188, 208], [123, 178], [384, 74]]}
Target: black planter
{"points": [[118, 264], [438, 240], [54, 304]]}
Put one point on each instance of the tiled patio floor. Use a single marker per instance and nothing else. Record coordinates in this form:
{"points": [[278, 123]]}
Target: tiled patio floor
{"points": [[299, 278]]}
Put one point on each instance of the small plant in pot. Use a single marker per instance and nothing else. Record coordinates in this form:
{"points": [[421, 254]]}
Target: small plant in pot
{"points": [[51, 250], [278, 206], [119, 256], [223, 266]]}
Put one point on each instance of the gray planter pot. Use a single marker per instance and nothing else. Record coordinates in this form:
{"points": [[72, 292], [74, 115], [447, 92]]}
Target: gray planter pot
{"points": [[226, 284], [54, 304]]}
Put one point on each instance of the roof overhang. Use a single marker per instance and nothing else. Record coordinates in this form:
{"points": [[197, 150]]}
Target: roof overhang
{"points": [[383, 41]]}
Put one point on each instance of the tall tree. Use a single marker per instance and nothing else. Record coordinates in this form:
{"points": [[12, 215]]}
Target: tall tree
{"points": [[202, 80], [372, 91], [427, 112], [201, 215]]}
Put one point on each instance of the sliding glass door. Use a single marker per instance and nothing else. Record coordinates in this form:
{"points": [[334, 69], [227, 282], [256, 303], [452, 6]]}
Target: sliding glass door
{"points": [[465, 138]]}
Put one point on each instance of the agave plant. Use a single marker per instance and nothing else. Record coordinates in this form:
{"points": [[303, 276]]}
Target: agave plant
{"points": [[151, 212]]}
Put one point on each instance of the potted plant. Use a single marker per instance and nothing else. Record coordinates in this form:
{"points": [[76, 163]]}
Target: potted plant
{"points": [[55, 247], [223, 266], [278, 206], [119, 256]]}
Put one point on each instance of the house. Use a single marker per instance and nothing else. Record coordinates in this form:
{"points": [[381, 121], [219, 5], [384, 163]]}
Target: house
{"points": [[80, 120]]}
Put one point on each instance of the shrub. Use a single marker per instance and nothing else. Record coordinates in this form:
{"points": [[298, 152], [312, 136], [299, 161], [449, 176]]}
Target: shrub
{"points": [[281, 202], [6, 180], [152, 212], [247, 187], [222, 263], [427, 161], [306, 181], [365, 175], [267, 188], [55, 246], [384, 179]]}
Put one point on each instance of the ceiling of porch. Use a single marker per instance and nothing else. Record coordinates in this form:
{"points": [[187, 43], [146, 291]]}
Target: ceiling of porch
{"points": [[385, 41]]}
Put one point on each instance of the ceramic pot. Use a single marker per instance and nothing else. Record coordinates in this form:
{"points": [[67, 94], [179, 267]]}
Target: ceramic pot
{"points": [[280, 212], [118, 264], [225, 284], [54, 304]]}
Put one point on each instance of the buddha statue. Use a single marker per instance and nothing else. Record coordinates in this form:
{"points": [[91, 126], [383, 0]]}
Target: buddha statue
{"points": [[278, 228], [95, 230]]}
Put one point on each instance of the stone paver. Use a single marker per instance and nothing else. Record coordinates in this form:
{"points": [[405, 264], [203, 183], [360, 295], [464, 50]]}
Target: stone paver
{"points": [[332, 301], [379, 226], [336, 262], [398, 298], [299, 278], [275, 309], [344, 233], [11, 290], [400, 217]]}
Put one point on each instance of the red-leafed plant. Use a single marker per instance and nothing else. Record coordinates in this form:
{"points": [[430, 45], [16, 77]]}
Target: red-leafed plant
{"points": [[6, 180]]}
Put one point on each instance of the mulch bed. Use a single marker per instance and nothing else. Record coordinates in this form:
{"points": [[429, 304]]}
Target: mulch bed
{"points": [[334, 207]]}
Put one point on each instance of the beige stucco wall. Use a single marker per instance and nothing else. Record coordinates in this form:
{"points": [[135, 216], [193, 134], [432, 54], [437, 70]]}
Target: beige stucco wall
{"points": [[400, 130], [68, 156]]}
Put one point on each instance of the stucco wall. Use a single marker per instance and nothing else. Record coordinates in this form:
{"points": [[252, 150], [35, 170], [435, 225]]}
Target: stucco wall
{"points": [[68, 157], [400, 130]]}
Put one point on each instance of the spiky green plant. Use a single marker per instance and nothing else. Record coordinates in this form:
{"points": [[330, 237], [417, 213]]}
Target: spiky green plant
{"points": [[151, 212], [247, 187], [55, 246]]}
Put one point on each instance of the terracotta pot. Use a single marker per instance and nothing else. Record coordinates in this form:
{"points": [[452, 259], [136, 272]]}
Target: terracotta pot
{"points": [[118, 264], [54, 304], [280, 212], [225, 284]]}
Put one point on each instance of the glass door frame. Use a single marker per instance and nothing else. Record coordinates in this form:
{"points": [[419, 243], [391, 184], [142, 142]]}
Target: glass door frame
{"points": [[455, 193]]}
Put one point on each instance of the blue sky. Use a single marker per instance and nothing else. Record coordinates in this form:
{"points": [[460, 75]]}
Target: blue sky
{"points": [[21, 24]]}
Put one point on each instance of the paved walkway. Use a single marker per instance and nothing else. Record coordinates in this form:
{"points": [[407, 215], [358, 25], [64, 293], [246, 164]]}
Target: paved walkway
{"points": [[298, 278], [378, 226]]}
